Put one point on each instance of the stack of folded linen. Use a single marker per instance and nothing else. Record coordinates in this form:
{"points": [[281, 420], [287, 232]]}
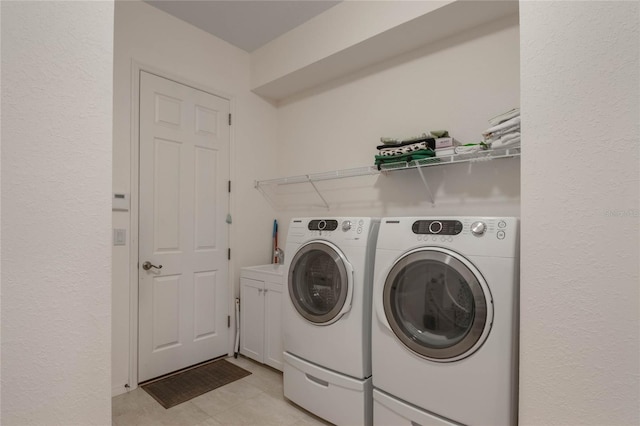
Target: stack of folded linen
{"points": [[445, 144], [416, 148], [445, 152], [504, 130]]}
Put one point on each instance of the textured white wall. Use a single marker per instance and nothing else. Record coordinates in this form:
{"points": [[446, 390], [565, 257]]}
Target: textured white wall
{"points": [[154, 38], [0, 221], [580, 352], [455, 84], [57, 61]]}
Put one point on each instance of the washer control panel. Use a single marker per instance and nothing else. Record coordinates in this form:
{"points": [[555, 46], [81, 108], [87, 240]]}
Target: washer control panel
{"points": [[473, 235], [440, 227]]}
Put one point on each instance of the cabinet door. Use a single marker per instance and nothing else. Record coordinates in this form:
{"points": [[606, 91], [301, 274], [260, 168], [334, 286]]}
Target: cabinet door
{"points": [[252, 319], [273, 325]]}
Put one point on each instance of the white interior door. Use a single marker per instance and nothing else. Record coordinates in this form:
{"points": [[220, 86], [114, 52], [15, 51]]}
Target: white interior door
{"points": [[184, 170]]}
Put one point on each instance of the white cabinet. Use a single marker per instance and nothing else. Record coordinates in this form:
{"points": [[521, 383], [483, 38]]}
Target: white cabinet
{"points": [[261, 289]]}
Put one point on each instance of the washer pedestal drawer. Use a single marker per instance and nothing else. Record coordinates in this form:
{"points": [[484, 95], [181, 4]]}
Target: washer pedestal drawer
{"points": [[339, 399], [390, 411]]}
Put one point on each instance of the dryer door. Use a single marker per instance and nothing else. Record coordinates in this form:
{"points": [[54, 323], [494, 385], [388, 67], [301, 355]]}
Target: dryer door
{"points": [[438, 304], [320, 281]]}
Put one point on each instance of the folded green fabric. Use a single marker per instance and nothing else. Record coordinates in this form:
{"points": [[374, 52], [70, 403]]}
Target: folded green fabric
{"points": [[410, 156]]}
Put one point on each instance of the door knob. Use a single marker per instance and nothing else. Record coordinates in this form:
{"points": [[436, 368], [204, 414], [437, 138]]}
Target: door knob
{"points": [[148, 265]]}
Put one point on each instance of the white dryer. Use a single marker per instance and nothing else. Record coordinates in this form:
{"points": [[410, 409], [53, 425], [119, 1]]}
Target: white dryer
{"points": [[327, 317], [445, 321]]}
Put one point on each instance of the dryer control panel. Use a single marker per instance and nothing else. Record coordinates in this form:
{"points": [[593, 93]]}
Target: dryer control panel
{"points": [[323, 225], [440, 227], [353, 231]]}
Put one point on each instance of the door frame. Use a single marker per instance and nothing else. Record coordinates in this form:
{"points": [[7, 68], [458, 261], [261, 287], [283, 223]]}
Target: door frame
{"points": [[136, 68]]}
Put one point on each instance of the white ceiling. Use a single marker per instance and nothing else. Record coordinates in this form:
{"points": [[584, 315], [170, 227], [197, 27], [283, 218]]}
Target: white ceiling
{"points": [[247, 24]]}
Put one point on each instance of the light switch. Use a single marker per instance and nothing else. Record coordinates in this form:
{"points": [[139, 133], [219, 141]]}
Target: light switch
{"points": [[119, 237]]}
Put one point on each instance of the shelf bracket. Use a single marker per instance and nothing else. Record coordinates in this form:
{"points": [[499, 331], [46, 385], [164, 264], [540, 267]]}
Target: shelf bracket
{"points": [[318, 192], [426, 185], [264, 194]]}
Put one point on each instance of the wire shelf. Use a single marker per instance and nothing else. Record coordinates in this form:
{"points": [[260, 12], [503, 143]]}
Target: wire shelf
{"points": [[483, 155]]}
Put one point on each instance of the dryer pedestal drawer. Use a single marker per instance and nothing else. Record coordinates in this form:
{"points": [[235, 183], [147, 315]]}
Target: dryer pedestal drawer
{"points": [[389, 411], [340, 399]]}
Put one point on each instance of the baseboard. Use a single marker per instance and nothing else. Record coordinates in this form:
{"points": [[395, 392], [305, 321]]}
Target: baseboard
{"points": [[120, 389]]}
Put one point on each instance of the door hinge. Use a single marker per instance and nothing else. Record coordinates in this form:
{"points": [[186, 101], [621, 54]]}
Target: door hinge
{"points": [[229, 119], [229, 254], [228, 321], [229, 187]]}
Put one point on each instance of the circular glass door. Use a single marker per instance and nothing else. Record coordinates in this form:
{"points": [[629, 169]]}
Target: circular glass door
{"points": [[437, 305], [318, 282]]}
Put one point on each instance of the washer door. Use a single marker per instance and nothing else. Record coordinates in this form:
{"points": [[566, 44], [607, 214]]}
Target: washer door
{"points": [[438, 304], [320, 281]]}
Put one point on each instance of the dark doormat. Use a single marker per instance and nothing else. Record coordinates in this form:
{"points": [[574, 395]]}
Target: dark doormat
{"points": [[183, 386]]}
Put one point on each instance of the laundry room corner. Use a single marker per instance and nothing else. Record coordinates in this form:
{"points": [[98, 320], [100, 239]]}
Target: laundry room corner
{"points": [[342, 121], [149, 39]]}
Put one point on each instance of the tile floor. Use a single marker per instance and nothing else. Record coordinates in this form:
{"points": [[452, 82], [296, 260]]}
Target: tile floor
{"points": [[253, 400]]}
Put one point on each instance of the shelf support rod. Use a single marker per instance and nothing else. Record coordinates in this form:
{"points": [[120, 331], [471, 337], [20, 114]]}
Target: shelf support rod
{"points": [[426, 185], [264, 194], [318, 192]]}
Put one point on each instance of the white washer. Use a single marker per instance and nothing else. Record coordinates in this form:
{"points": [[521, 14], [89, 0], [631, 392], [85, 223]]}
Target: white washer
{"points": [[445, 320], [327, 317]]}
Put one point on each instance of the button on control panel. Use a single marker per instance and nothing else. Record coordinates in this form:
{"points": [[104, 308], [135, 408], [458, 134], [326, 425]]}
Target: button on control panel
{"points": [[435, 227]]}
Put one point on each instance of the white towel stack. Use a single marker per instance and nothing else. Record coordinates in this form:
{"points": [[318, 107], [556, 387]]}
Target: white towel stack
{"points": [[504, 130], [445, 152]]}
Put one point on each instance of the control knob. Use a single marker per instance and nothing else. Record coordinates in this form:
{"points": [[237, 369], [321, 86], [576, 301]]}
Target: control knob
{"points": [[478, 228], [346, 225], [435, 227]]}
